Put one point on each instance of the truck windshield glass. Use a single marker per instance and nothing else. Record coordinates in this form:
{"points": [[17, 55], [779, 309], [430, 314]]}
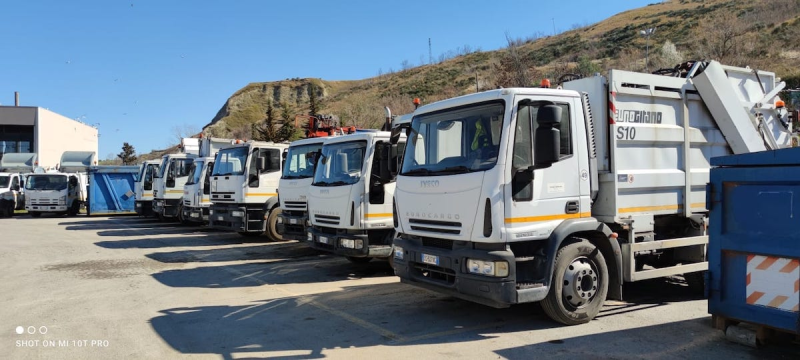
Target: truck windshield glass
{"points": [[194, 176], [4, 180], [230, 161], [300, 161], [340, 163], [46, 182], [454, 141], [163, 168]]}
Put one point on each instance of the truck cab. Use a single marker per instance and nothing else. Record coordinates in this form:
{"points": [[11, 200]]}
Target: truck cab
{"points": [[63, 191], [244, 188], [350, 198], [298, 173], [197, 193], [173, 174], [13, 166], [144, 187]]}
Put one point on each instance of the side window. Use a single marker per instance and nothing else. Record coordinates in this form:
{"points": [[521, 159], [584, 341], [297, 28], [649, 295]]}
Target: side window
{"points": [[522, 186], [273, 157], [14, 182], [207, 180], [183, 167]]}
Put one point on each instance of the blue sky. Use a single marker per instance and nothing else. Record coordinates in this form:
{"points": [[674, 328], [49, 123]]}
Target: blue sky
{"points": [[139, 67]]}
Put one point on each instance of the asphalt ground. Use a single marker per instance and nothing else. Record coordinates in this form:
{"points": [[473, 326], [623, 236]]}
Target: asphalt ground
{"points": [[126, 287]]}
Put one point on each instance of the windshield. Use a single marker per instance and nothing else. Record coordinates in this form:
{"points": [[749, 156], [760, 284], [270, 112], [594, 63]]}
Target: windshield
{"points": [[454, 141], [340, 163], [46, 182], [300, 161], [4, 180], [194, 175], [230, 161]]}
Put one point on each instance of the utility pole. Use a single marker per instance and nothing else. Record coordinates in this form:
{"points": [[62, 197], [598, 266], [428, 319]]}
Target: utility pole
{"points": [[430, 52], [646, 34]]}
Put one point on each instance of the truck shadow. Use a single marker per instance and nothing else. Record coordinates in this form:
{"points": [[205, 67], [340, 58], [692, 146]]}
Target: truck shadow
{"points": [[687, 339], [267, 251], [111, 223], [303, 327], [300, 270], [180, 241]]}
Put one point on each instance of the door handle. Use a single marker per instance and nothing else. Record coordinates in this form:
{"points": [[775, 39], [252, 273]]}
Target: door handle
{"points": [[573, 207]]}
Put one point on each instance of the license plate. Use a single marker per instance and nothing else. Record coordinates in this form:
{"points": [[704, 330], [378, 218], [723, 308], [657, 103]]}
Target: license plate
{"points": [[323, 239], [220, 218], [430, 259], [293, 221]]}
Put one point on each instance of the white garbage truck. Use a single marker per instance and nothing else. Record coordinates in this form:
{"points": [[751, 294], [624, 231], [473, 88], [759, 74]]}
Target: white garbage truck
{"points": [[350, 198], [13, 167], [561, 195], [61, 192], [197, 192], [144, 187], [244, 188], [298, 173], [173, 174]]}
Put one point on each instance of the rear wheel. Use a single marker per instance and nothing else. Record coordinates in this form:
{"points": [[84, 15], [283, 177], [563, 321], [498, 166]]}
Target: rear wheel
{"points": [[181, 218], [74, 209], [580, 284], [272, 225], [358, 260]]}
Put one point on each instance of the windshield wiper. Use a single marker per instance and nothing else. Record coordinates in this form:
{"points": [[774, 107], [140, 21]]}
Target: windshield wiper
{"points": [[456, 169], [225, 174], [338, 183], [419, 171]]}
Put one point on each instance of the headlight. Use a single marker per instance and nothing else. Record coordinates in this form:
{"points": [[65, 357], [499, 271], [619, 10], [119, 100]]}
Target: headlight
{"points": [[138, 205], [488, 268], [62, 200], [352, 243], [310, 237], [237, 213], [398, 252], [210, 212]]}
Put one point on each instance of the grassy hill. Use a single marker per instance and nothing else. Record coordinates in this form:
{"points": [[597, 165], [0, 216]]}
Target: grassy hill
{"points": [[760, 33]]}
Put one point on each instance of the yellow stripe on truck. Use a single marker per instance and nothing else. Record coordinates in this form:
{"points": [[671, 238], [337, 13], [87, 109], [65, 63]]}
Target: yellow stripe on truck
{"points": [[379, 215], [261, 194], [659, 208], [174, 191], [528, 219]]}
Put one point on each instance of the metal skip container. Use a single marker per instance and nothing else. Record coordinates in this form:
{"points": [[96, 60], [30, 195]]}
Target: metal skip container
{"points": [[111, 190], [754, 245]]}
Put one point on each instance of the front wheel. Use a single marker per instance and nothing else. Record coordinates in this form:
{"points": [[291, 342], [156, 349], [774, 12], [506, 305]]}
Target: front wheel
{"points": [[580, 284], [272, 225], [74, 209]]}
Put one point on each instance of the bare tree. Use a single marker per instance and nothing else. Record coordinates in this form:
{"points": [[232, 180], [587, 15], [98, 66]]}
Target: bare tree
{"points": [[183, 131], [725, 38], [513, 66]]}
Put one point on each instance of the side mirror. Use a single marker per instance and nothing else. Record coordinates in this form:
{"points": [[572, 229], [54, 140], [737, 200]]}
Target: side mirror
{"points": [[385, 156], [261, 164], [397, 131], [547, 139], [15, 188]]}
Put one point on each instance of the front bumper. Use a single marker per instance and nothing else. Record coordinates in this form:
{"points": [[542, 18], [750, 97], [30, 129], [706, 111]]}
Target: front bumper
{"points": [[166, 207], [292, 225], [330, 240], [196, 214], [451, 277], [221, 216], [46, 208], [144, 207]]}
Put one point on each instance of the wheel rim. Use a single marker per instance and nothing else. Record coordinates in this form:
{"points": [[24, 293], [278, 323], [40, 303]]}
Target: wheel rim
{"points": [[581, 282]]}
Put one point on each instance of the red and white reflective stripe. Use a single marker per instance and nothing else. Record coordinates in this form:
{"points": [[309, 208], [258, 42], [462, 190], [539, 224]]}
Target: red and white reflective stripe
{"points": [[612, 108], [773, 282]]}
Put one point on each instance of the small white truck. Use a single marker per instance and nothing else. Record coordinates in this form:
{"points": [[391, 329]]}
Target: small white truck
{"points": [[350, 198], [13, 166], [172, 176], [561, 195], [61, 192], [244, 188], [197, 192], [298, 173], [144, 187]]}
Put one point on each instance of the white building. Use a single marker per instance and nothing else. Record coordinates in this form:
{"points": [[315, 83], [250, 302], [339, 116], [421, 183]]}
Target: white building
{"points": [[38, 130]]}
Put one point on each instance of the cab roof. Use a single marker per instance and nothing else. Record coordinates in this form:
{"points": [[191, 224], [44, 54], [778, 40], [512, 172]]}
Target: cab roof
{"points": [[499, 94]]}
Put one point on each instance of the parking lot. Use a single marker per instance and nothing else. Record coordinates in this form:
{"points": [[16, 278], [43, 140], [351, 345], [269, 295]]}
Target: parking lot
{"points": [[135, 288]]}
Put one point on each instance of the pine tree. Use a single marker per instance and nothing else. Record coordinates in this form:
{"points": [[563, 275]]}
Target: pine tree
{"points": [[312, 100], [128, 154]]}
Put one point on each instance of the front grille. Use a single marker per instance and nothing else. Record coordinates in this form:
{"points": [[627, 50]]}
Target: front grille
{"points": [[187, 203], [436, 273], [44, 202], [438, 243], [295, 205], [435, 226], [327, 219], [221, 198]]}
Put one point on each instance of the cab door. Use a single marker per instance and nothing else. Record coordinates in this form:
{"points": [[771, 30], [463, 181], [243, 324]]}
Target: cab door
{"points": [[538, 200]]}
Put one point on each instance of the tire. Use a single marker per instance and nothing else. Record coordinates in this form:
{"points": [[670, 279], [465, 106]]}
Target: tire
{"points": [[36, 214], [696, 282], [272, 225], [359, 260], [249, 234], [74, 209], [181, 218], [578, 265]]}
